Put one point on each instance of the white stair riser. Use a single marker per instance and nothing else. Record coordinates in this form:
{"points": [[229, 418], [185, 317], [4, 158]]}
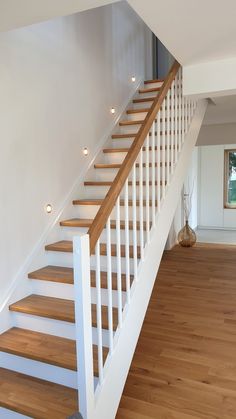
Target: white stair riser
{"points": [[128, 129], [66, 259], [109, 174], [85, 211], [151, 85], [123, 142], [58, 290], [53, 327], [39, 369], [142, 105], [8, 414], [139, 116], [133, 128], [98, 192], [148, 94], [70, 232], [118, 157]]}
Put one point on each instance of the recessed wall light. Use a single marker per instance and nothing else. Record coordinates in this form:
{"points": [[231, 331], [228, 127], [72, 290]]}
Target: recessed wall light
{"points": [[113, 110], [133, 79], [85, 151], [48, 208]]}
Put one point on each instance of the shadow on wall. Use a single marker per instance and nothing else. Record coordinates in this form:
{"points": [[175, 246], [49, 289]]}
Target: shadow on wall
{"points": [[164, 60]]}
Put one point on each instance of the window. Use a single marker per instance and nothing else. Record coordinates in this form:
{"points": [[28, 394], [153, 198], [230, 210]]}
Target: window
{"points": [[230, 179]]}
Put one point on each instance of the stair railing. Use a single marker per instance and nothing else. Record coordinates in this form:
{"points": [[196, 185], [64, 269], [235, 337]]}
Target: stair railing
{"points": [[154, 153]]}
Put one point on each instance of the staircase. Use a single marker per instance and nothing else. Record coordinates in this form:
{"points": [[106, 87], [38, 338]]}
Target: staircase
{"points": [[72, 341]]}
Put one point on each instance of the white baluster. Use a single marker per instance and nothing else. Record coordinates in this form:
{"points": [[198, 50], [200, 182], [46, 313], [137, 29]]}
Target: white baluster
{"points": [[163, 148], [158, 163], [99, 312], [118, 261], [183, 106], [185, 115], [134, 213], [141, 202], [172, 112], [188, 113], [147, 190], [127, 258], [179, 111], [176, 118], [153, 176], [168, 139], [109, 286]]}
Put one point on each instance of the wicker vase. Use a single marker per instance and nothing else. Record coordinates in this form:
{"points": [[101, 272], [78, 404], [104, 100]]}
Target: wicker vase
{"points": [[186, 236]]}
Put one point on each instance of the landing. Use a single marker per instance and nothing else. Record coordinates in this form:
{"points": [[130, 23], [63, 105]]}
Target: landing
{"points": [[185, 363]]}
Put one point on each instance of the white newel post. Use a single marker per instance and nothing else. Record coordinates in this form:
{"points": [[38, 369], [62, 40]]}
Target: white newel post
{"points": [[83, 325]]}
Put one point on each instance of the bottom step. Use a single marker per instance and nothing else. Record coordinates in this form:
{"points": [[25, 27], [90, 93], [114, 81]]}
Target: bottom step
{"points": [[36, 398]]}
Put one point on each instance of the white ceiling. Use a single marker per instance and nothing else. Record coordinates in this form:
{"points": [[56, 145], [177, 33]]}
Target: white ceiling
{"points": [[17, 13], [193, 31]]}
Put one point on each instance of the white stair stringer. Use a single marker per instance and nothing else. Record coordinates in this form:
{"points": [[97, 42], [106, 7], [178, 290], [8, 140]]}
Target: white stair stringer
{"points": [[114, 378]]}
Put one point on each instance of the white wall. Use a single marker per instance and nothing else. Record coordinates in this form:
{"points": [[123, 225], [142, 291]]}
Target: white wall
{"points": [[58, 81], [211, 204], [204, 80]]}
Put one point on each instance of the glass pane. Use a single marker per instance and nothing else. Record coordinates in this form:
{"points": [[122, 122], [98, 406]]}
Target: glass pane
{"points": [[232, 178]]}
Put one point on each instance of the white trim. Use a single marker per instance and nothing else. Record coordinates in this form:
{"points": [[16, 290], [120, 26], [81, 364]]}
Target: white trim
{"points": [[215, 228]]}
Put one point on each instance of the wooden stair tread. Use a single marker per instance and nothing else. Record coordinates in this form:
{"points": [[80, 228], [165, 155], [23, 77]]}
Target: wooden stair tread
{"points": [[60, 246], [100, 201], [109, 183], [126, 149], [128, 122], [154, 81], [36, 398], [98, 183], [67, 246], [76, 222], [144, 99], [51, 273], [149, 90], [116, 150], [45, 348], [133, 135], [66, 275], [88, 201], [107, 166], [58, 309], [128, 135], [115, 166]]}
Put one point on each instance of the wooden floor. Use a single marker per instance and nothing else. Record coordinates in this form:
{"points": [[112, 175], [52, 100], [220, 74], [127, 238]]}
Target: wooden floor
{"points": [[185, 362]]}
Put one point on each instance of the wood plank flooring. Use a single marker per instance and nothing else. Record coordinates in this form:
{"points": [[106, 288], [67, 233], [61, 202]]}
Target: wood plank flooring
{"points": [[184, 366]]}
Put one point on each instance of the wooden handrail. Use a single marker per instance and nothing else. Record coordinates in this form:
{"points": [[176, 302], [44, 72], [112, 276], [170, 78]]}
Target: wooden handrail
{"points": [[108, 204]]}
